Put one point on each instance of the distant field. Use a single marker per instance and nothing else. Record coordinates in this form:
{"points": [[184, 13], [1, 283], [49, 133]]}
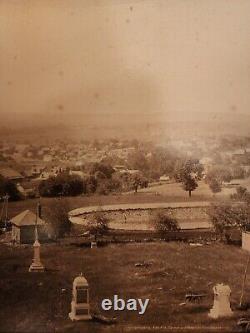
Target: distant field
{"points": [[159, 193], [175, 190], [41, 302]]}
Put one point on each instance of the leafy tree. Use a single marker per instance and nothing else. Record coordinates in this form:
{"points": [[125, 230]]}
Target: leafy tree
{"points": [[162, 161], [137, 180], [138, 161], [164, 223], [61, 185], [189, 184], [97, 226], [108, 185], [241, 194], [224, 217], [105, 169], [56, 212], [123, 179], [89, 185], [215, 186], [126, 181], [221, 174], [241, 191], [9, 187], [193, 168], [188, 173]]}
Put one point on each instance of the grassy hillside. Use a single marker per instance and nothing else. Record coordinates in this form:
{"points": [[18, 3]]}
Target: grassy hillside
{"points": [[33, 302]]}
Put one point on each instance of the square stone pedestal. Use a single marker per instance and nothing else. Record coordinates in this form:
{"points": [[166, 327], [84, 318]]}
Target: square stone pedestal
{"points": [[36, 267], [79, 312]]}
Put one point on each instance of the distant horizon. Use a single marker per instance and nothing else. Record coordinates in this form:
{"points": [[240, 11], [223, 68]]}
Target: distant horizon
{"points": [[173, 60]]}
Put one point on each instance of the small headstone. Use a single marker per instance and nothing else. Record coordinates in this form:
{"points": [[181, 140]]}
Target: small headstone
{"points": [[93, 245], [80, 309], [221, 307]]}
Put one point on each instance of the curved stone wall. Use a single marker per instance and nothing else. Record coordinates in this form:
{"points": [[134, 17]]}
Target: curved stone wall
{"points": [[188, 217]]}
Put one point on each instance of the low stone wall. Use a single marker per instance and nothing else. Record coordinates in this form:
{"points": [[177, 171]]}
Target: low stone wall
{"points": [[141, 219]]}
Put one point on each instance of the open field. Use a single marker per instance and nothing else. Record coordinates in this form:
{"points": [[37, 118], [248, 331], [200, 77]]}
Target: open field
{"points": [[167, 193], [32, 302], [175, 189]]}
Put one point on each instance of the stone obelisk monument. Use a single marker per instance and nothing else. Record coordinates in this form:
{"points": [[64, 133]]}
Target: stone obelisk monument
{"points": [[36, 265]]}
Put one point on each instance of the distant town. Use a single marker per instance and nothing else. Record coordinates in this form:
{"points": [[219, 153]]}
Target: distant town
{"points": [[113, 165]]}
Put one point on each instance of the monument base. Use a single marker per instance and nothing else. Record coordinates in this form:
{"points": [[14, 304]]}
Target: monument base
{"points": [[79, 312], [219, 313], [36, 267]]}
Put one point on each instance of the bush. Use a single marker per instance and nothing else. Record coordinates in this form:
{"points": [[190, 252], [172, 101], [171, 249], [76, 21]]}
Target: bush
{"points": [[98, 224], [241, 194], [164, 223], [214, 185], [224, 217]]}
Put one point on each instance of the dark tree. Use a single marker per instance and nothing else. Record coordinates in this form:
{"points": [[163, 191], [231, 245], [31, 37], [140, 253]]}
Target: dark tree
{"points": [[189, 184], [138, 180], [241, 194], [56, 213], [89, 185], [188, 173], [105, 169], [9, 188], [61, 185], [138, 161]]}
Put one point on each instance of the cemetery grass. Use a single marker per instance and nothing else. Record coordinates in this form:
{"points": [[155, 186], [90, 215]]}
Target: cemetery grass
{"points": [[40, 302]]}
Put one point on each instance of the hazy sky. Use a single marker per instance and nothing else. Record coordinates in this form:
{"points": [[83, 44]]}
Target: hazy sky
{"points": [[172, 56]]}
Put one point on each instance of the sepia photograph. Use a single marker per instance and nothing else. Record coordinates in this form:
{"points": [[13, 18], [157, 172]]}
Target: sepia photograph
{"points": [[124, 166]]}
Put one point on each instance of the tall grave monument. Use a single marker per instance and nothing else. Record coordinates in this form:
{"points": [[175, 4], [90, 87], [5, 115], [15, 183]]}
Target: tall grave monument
{"points": [[36, 265]]}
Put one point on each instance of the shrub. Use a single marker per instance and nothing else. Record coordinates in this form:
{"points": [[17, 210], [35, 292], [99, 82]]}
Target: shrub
{"points": [[164, 223], [224, 217], [98, 224]]}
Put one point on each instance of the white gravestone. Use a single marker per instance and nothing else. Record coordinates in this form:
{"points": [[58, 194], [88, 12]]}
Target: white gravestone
{"points": [[80, 309], [221, 307]]}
